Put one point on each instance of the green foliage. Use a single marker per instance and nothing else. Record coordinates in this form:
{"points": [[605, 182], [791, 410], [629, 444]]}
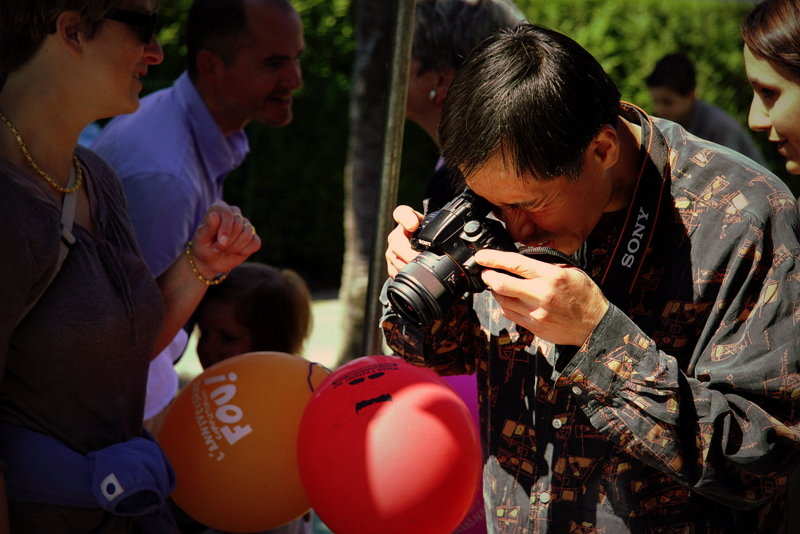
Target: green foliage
{"points": [[628, 37], [291, 185], [171, 29]]}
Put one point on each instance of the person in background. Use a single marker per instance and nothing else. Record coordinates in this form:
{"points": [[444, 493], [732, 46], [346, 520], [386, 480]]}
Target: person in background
{"points": [[174, 153], [673, 88], [644, 379], [445, 31], [258, 308], [81, 314]]}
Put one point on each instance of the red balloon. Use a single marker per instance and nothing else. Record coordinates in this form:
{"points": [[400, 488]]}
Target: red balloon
{"points": [[385, 446]]}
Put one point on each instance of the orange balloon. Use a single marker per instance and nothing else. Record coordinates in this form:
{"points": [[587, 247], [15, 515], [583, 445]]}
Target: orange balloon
{"points": [[231, 437]]}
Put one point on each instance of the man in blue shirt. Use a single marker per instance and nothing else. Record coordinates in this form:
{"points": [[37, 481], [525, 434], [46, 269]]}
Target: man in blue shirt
{"points": [[175, 152]]}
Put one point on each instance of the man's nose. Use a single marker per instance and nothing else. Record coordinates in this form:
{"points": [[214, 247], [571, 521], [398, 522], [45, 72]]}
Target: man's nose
{"points": [[293, 77]]}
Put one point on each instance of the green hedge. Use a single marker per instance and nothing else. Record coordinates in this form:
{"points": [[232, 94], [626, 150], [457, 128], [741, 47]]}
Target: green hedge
{"points": [[629, 36], [291, 185]]}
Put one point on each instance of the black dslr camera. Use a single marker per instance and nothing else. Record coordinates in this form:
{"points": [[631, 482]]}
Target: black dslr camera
{"points": [[446, 271]]}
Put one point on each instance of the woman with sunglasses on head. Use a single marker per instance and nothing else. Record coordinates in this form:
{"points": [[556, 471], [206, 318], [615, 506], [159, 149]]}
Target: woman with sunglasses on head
{"points": [[771, 33], [81, 314]]}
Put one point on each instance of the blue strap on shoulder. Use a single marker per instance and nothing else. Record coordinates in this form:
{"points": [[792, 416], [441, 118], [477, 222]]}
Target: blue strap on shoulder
{"points": [[133, 477]]}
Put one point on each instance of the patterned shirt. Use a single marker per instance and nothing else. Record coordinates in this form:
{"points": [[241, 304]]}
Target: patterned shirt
{"points": [[680, 412]]}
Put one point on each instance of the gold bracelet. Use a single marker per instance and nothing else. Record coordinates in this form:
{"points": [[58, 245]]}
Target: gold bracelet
{"points": [[207, 281]]}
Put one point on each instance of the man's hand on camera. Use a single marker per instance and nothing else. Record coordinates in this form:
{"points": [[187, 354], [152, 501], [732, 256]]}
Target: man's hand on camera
{"points": [[558, 303], [399, 251]]}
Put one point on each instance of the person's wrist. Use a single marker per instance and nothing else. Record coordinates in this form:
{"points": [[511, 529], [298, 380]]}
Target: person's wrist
{"points": [[209, 279]]}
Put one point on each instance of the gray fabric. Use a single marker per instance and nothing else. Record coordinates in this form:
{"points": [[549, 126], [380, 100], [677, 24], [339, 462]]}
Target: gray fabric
{"points": [[75, 367], [67, 240], [711, 123]]}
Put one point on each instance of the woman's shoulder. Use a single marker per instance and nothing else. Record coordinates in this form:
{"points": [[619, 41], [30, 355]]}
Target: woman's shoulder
{"points": [[31, 229], [103, 175], [20, 196], [96, 164]]}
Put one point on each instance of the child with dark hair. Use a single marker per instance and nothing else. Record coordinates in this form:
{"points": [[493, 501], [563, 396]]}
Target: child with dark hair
{"points": [[258, 308], [672, 86]]}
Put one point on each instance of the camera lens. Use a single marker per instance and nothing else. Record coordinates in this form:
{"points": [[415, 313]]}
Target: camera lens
{"points": [[426, 287]]}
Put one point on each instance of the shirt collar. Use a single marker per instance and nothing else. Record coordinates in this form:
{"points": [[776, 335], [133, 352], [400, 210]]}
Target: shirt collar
{"points": [[220, 154]]}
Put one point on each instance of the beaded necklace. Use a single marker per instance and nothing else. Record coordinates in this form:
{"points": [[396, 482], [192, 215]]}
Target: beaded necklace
{"points": [[25, 152]]}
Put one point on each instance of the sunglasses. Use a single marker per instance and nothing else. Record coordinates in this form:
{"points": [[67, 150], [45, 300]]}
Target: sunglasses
{"points": [[142, 24]]}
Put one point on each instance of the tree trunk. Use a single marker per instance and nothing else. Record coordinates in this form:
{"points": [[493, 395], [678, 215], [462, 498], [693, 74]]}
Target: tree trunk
{"points": [[368, 104]]}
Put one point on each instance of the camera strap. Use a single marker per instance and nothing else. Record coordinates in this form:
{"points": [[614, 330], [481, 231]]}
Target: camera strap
{"points": [[66, 243], [548, 255], [650, 193]]}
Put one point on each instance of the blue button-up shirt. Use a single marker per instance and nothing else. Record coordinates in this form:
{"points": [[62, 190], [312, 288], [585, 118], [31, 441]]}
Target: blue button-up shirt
{"points": [[172, 160]]}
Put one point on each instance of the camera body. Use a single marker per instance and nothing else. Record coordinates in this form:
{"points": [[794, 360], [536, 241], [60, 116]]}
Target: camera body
{"points": [[445, 270]]}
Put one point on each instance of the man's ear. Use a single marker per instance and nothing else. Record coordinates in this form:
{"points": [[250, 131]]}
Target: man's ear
{"points": [[604, 148], [209, 65], [70, 32]]}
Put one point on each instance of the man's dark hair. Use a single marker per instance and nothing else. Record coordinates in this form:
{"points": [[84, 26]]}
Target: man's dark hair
{"points": [[533, 94], [218, 26], [675, 72]]}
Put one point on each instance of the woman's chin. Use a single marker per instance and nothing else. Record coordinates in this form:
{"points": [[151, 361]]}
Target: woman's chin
{"points": [[130, 104]]}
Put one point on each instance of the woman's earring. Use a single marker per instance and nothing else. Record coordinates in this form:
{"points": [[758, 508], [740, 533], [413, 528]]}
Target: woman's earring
{"points": [[432, 95]]}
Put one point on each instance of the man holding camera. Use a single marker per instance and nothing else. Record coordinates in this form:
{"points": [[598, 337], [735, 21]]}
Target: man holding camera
{"points": [[653, 388]]}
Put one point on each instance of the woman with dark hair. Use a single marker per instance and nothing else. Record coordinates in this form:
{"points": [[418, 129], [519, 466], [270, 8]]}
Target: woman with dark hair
{"points": [[82, 315], [445, 31], [771, 33]]}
